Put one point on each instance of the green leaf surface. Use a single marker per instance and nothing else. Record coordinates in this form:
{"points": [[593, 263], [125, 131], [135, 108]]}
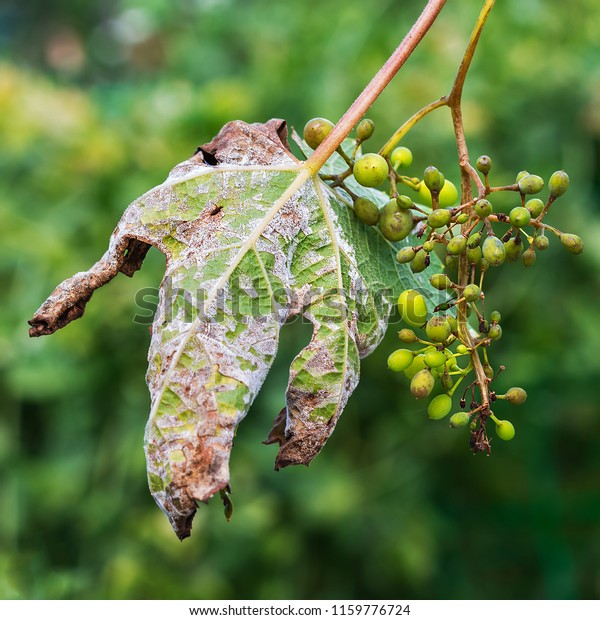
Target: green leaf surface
{"points": [[252, 239]]}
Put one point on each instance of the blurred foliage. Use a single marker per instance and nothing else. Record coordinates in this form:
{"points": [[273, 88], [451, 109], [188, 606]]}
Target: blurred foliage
{"points": [[98, 100]]}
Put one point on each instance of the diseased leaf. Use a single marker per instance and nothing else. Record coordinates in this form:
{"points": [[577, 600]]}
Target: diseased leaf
{"points": [[252, 239]]}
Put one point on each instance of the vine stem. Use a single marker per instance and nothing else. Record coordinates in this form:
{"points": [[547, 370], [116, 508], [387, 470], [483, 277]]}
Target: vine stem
{"points": [[374, 88]]}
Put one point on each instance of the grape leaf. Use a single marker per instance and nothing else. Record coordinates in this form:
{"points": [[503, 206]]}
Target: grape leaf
{"points": [[251, 239]]}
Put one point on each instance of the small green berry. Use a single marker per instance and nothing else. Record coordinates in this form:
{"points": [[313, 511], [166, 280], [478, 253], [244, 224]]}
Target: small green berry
{"points": [[474, 240], [483, 208], [439, 218], [400, 360], [428, 246], [417, 365], [395, 224], [453, 323], [529, 256], [463, 218], [366, 211], [474, 255], [433, 179], [451, 261], [516, 396], [495, 332], [447, 381], [365, 129], [484, 164], [558, 183], [461, 418], [472, 292], [488, 371], [494, 251], [519, 217], [419, 262], [370, 170], [514, 248], [541, 242], [439, 407], [404, 202], [495, 316], [535, 206], [435, 359], [407, 335], [401, 157], [461, 349], [522, 175], [505, 430], [440, 281], [438, 329], [447, 197], [571, 242], [531, 184], [412, 307], [405, 255], [316, 130], [422, 384], [456, 245]]}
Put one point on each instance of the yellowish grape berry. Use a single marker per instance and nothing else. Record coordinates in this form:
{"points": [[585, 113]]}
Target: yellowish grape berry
{"points": [[438, 329], [316, 130], [558, 183], [417, 365], [461, 418], [571, 242], [365, 129], [401, 157], [516, 396], [421, 385], [439, 407], [505, 430], [370, 170], [413, 308], [447, 197], [400, 360], [407, 335], [435, 359]]}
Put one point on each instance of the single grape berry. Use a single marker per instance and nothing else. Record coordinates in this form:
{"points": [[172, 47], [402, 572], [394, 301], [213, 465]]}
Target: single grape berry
{"points": [[529, 256], [483, 208], [495, 332], [447, 197], [316, 130], [514, 248], [459, 419], [370, 170], [535, 206], [439, 218], [531, 184], [541, 242], [400, 360], [472, 292], [494, 251], [461, 349], [519, 217], [558, 183], [571, 242], [522, 175], [447, 381], [435, 359], [484, 164], [474, 255], [474, 240], [407, 335], [433, 179], [401, 157], [440, 281], [438, 329], [421, 385], [419, 262], [366, 211], [365, 129], [463, 218], [516, 396], [415, 367], [395, 224], [405, 255], [488, 371], [412, 308], [456, 245], [495, 316], [505, 430], [428, 246], [439, 407], [404, 202]]}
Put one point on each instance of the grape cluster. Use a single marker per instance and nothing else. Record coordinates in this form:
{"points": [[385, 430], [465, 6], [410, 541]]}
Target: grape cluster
{"points": [[451, 341]]}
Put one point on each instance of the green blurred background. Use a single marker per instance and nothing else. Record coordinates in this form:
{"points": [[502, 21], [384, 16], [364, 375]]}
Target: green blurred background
{"points": [[98, 100]]}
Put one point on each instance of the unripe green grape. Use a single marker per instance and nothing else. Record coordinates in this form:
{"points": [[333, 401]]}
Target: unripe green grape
{"points": [[522, 175], [516, 396], [463, 218], [474, 255], [439, 407], [417, 365], [483, 208], [395, 224], [316, 130], [428, 246], [558, 183], [461, 418], [451, 261], [422, 384], [366, 211], [400, 360], [494, 251], [433, 179], [438, 329], [461, 349], [365, 129], [514, 248], [434, 359], [440, 281], [474, 240], [401, 157], [535, 206], [495, 316], [541, 242], [531, 184], [505, 430], [453, 323], [519, 217], [447, 381], [439, 218], [571, 242], [405, 255], [447, 197], [472, 292], [488, 371], [407, 335], [419, 262], [456, 245], [412, 307], [404, 202], [495, 332], [529, 256], [484, 164], [370, 170]]}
